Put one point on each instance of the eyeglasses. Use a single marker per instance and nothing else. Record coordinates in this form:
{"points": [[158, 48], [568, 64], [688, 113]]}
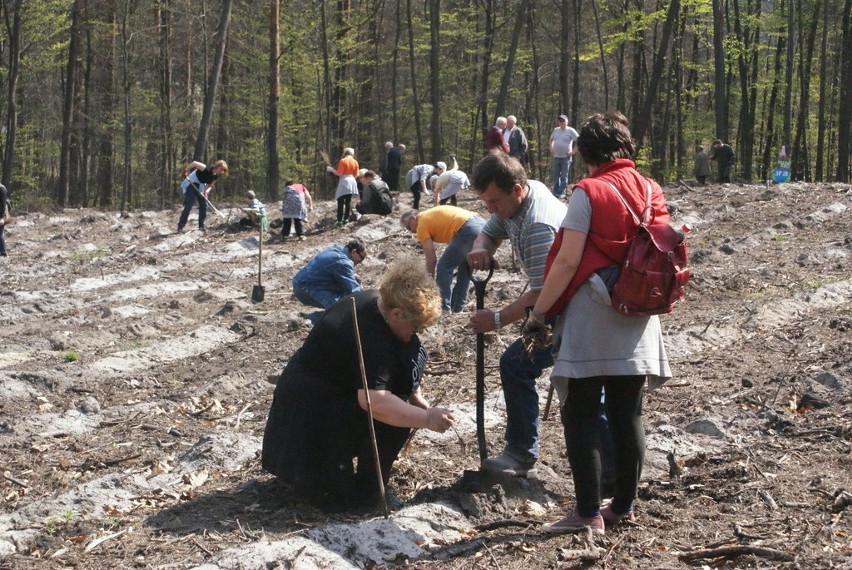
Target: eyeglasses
{"points": [[361, 255]]}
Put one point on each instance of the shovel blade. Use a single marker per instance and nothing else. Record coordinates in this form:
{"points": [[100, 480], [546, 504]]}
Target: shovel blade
{"points": [[257, 293]]}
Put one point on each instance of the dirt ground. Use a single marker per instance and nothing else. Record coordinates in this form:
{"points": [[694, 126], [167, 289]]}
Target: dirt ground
{"points": [[136, 373]]}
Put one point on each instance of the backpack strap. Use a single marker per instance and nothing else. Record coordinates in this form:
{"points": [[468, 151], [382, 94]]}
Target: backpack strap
{"points": [[646, 213]]}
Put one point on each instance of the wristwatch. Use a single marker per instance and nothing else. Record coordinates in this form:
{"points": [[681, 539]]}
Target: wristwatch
{"points": [[497, 324]]}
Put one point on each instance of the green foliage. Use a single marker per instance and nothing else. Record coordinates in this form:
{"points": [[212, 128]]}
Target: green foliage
{"points": [[71, 356], [53, 524], [376, 101]]}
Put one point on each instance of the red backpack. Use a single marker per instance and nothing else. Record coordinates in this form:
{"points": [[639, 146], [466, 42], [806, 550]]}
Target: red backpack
{"points": [[654, 273]]}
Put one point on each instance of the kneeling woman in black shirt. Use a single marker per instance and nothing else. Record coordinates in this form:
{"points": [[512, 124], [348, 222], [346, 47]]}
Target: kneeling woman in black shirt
{"points": [[318, 421]]}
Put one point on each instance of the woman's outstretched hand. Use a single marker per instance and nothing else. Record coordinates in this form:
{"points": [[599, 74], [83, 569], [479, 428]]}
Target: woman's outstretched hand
{"points": [[439, 419]]}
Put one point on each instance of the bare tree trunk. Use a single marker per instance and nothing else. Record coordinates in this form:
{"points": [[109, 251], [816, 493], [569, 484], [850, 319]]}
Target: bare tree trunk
{"points": [[13, 31], [679, 152], [720, 91], [770, 107], [823, 95], [105, 67], [564, 56], [638, 50], [166, 143], [603, 54], [536, 137], [273, 175], [801, 166], [210, 93], [127, 183], [85, 119], [326, 89], [845, 115], [484, 122], [643, 121], [339, 100], [416, 100], [747, 118], [397, 39], [575, 75], [68, 107], [787, 138], [500, 108], [435, 73]]}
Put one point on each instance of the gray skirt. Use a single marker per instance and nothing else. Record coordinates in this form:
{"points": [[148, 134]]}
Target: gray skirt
{"points": [[591, 338]]}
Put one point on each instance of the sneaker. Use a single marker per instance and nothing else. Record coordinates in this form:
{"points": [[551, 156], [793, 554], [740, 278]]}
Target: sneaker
{"points": [[575, 523], [611, 518], [508, 465], [202, 229], [301, 238]]}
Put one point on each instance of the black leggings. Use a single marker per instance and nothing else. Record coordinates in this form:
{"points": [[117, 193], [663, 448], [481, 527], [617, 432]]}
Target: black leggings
{"points": [[415, 191], [583, 438], [285, 226], [344, 207]]}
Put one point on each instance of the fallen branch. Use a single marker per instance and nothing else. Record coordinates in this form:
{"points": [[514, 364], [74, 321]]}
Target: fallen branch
{"points": [[98, 541], [773, 506], [491, 554], [207, 408], [201, 546], [593, 552], [111, 462], [174, 432], [240, 415], [505, 523], [11, 479], [740, 550]]}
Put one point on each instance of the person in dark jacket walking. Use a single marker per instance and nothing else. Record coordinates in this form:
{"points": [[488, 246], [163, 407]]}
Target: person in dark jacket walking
{"points": [[392, 166], [725, 158]]}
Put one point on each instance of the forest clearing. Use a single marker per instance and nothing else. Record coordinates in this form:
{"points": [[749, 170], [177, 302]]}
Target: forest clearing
{"points": [[136, 374]]}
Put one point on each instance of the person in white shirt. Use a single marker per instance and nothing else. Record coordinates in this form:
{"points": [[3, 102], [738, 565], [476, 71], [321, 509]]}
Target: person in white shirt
{"points": [[562, 151]]}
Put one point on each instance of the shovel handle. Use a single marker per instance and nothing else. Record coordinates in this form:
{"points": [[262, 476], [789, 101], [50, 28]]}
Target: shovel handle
{"points": [[479, 280], [479, 287]]}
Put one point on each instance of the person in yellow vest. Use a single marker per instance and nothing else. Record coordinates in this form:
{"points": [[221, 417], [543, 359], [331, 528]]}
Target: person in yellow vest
{"points": [[456, 227]]}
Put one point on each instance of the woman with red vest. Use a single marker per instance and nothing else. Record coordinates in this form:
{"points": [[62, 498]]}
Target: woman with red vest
{"points": [[599, 348]]}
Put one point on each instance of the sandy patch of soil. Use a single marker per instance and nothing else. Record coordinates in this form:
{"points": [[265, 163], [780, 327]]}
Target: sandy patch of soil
{"points": [[135, 380]]}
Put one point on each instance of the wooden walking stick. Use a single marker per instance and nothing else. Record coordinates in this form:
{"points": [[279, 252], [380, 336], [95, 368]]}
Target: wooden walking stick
{"points": [[547, 404], [369, 409]]}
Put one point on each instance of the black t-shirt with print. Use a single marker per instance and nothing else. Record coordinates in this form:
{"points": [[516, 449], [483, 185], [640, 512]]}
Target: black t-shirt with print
{"points": [[331, 350]]}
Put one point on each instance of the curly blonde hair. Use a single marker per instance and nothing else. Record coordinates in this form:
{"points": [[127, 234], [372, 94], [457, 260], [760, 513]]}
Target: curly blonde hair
{"points": [[407, 286]]}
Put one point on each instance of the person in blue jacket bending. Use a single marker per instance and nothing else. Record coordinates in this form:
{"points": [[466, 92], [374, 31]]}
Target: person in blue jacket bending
{"points": [[330, 275]]}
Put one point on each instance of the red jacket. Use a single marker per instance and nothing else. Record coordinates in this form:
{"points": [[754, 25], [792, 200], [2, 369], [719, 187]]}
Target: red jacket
{"points": [[611, 225]]}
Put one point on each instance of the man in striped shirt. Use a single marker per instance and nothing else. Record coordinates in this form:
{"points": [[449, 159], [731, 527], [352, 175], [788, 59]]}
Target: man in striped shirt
{"points": [[527, 214]]}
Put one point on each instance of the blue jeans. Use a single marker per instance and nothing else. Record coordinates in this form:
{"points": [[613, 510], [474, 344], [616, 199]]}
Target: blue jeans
{"points": [[560, 168], [518, 373], [315, 297], [454, 258], [188, 202]]}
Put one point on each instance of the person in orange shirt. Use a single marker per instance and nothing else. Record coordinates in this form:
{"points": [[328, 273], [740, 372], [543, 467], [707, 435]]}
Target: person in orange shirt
{"points": [[346, 171], [457, 228]]}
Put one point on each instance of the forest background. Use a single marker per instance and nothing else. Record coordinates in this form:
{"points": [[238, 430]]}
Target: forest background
{"points": [[105, 101]]}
